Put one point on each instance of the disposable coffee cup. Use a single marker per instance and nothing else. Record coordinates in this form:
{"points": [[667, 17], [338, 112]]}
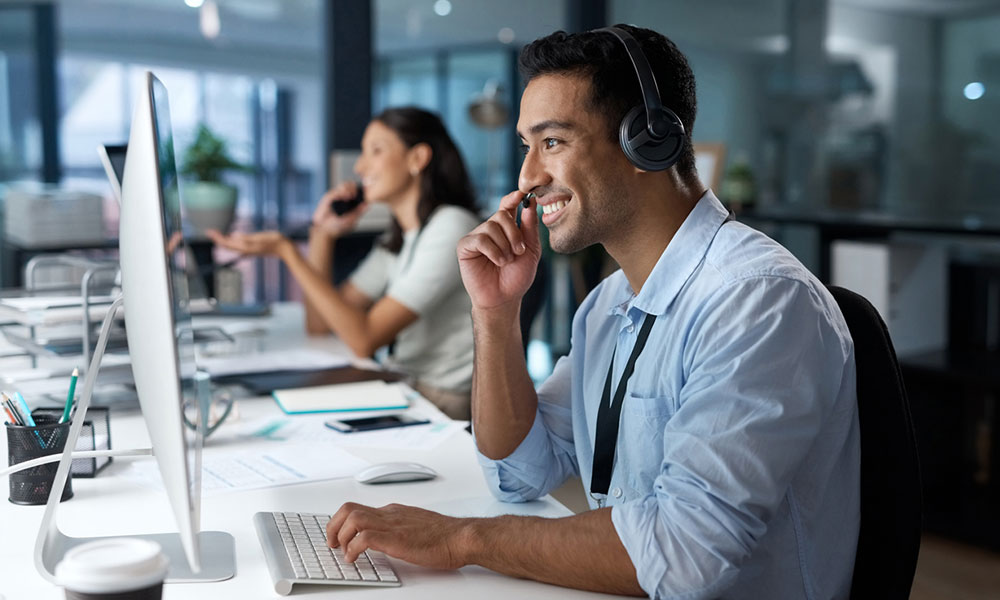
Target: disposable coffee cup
{"points": [[113, 569]]}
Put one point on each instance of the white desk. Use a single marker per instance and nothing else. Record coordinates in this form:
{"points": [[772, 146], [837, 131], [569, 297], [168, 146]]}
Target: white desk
{"points": [[111, 504]]}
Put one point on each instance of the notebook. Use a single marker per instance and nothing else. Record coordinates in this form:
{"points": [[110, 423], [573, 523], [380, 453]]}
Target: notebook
{"points": [[364, 395]]}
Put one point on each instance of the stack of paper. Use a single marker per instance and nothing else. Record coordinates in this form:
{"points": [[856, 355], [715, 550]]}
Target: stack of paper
{"points": [[295, 359], [51, 310]]}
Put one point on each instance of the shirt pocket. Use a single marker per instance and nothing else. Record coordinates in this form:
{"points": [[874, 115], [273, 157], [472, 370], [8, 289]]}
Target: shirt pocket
{"points": [[644, 420], [657, 407]]}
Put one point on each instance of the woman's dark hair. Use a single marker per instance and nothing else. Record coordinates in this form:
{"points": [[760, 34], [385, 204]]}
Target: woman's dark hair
{"points": [[601, 59], [444, 181]]}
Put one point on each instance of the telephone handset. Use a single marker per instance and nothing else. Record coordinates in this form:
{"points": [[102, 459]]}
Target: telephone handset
{"points": [[342, 207]]}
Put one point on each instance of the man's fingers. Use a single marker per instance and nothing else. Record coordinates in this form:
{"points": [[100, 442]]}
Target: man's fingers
{"points": [[511, 200], [367, 539], [529, 229], [509, 227], [358, 520], [480, 244], [336, 522]]}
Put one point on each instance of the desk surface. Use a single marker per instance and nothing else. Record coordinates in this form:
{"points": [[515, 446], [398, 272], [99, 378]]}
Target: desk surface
{"points": [[113, 504]]}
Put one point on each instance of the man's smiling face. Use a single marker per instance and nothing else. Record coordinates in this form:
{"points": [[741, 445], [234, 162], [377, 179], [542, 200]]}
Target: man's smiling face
{"points": [[572, 163]]}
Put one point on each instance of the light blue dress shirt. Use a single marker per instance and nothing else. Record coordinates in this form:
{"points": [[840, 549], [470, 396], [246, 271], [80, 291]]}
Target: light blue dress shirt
{"points": [[737, 466]]}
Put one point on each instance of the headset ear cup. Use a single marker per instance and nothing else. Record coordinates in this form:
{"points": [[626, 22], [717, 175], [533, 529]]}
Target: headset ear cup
{"points": [[650, 155]]}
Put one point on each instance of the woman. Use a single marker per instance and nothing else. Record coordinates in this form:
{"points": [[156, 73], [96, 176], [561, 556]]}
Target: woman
{"points": [[407, 293]]}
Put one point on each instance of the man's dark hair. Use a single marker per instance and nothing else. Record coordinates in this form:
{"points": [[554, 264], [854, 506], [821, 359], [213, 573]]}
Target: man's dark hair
{"points": [[601, 59], [445, 179]]}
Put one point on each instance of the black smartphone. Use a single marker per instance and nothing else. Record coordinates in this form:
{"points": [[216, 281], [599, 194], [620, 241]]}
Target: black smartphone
{"points": [[342, 207], [372, 423]]}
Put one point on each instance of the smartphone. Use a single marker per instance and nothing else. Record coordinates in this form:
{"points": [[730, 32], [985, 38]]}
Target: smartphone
{"points": [[372, 423], [342, 207]]}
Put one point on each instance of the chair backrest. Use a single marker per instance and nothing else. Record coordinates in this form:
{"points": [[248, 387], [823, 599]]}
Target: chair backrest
{"points": [[889, 540]]}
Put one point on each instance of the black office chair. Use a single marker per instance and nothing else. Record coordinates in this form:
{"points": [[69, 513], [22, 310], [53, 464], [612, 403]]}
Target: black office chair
{"points": [[889, 540]]}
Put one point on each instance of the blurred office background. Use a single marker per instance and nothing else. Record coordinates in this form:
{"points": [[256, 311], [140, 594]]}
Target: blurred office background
{"points": [[861, 133]]}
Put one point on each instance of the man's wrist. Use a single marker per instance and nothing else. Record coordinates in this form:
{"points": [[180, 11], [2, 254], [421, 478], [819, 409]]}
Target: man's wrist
{"points": [[497, 317], [470, 540]]}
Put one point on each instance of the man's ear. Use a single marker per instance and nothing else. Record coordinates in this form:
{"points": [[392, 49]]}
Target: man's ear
{"points": [[418, 157]]}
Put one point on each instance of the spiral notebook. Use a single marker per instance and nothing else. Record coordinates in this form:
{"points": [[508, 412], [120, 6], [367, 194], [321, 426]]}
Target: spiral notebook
{"points": [[343, 397]]}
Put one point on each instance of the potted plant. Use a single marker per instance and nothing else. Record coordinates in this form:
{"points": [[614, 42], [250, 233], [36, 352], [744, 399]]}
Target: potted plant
{"points": [[208, 202]]}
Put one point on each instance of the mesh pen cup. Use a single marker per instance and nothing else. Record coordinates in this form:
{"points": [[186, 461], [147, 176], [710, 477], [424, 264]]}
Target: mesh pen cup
{"points": [[32, 486], [94, 435]]}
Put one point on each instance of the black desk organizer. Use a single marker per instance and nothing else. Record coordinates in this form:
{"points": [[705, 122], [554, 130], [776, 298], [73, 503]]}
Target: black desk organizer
{"points": [[95, 435]]}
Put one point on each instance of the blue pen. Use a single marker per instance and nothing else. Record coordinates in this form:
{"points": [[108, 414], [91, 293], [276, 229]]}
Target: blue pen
{"points": [[25, 411]]}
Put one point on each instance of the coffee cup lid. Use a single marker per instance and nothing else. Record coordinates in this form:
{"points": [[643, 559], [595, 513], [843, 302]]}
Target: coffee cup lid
{"points": [[112, 565]]}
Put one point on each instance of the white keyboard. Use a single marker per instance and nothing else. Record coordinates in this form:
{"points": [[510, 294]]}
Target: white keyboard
{"points": [[295, 549]]}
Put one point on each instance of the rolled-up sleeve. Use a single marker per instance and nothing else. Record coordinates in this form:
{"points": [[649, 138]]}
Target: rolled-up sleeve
{"points": [[546, 457], [372, 276], [761, 380]]}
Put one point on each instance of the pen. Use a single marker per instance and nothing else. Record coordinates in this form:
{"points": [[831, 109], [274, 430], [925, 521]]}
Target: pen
{"points": [[8, 405], [69, 397], [22, 408], [25, 411], [10, 415]]}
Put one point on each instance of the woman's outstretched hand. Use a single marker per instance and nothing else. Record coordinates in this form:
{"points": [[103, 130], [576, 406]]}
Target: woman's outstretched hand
{"points": [[263, 243]]}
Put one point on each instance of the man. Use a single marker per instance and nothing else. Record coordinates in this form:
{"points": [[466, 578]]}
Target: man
{"points": [[735, 466]]}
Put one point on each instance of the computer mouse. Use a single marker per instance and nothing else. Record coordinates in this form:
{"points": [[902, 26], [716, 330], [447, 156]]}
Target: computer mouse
{"points": [[395, 472]]}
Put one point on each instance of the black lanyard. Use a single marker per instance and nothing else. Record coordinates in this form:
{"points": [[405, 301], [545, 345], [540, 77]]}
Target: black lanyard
{"points": [[609, 415]]}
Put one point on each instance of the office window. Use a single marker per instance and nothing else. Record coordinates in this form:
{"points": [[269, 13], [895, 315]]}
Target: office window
{"points": [[405, 81], [488, 152], [229, 100], [843, 104], [20, 130]]}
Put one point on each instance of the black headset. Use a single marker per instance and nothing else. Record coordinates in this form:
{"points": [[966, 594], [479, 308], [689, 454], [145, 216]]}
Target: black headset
{"points": [[651, 135]]}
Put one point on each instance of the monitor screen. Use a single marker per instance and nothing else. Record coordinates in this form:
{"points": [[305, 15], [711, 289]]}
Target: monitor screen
{"points": [[179, 267]]}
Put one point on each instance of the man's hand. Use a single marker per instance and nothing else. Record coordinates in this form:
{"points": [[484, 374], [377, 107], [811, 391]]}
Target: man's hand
{"points": [[498, 260], [261, 243], [331, 224], [412, 534]]}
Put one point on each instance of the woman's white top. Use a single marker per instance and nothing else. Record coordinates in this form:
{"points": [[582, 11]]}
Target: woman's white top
{"points": [[437, 348]]}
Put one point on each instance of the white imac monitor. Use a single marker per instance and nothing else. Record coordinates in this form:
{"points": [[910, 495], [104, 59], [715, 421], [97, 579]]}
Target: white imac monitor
{"points": [[155, 293], [158, 325]]}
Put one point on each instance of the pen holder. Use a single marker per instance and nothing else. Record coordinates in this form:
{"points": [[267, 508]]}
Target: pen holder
{"points": [[32, 486], [94, 435]]}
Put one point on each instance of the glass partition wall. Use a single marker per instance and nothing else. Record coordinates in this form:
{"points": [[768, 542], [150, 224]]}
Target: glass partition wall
{"points": [[846, 104]]}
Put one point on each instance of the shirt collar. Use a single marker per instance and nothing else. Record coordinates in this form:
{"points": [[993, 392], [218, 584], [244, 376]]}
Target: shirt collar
{"points": [[678, 261]]}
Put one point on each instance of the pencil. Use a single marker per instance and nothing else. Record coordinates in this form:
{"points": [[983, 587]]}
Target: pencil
{"points": [[8, 405], [69, 397], [10, 415]]}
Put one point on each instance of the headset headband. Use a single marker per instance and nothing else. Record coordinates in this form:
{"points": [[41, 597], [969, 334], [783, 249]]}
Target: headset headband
{"points": [[656, 125]]}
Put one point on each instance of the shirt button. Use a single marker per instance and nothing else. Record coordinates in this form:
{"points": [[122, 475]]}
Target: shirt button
{"points": [[617, 492], [630, 328]]}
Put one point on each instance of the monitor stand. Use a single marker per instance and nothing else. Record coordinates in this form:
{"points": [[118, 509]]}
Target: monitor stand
{"points": [[218, 548]]}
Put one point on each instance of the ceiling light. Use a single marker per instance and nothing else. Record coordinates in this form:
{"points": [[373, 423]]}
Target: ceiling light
{"points": [[975, 90], [505, 35], [194, 3], [442, 7], [208, 20]]}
